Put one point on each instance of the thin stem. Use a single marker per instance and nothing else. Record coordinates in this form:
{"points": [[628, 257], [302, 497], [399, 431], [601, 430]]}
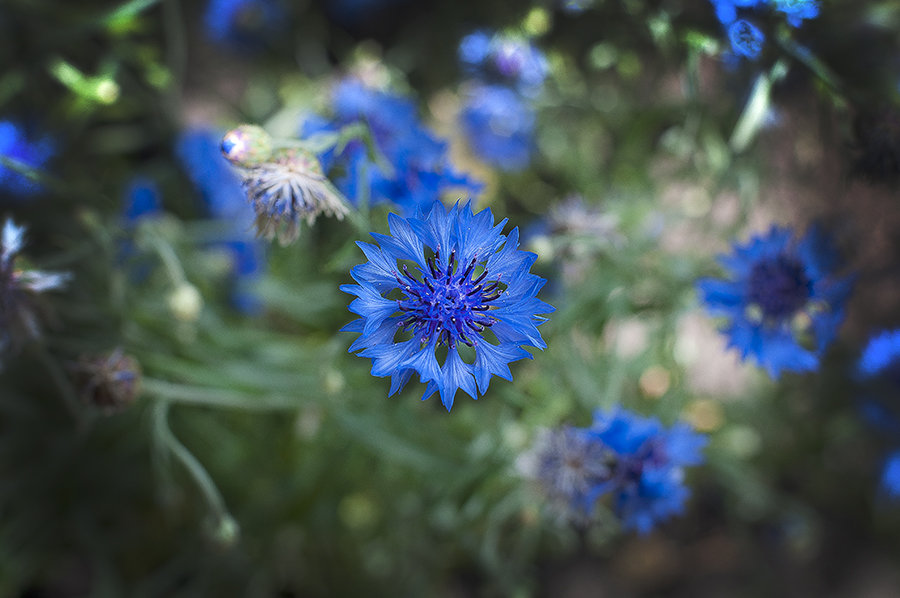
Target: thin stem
{"points": [[215, 397], [196, 470], [169, 259]]}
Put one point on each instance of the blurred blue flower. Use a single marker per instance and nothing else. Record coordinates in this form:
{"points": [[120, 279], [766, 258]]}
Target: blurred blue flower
{"points": [[469, 285], [245, 24], [783, 298], [33, 153], [746, 38], [224, 199], [419, 168], [573, 468], [881, 356], [506, 59], [18, 290], [890, 475], [727, 10], [212, 175], [797, 10], [649, 475], [499, 126], [141, 200], [576, 6]]}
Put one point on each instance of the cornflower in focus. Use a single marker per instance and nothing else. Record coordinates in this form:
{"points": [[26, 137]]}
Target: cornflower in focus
{"points": [[283, 185], [243, 24], [18, 291], [417, 169], [468, 296], [30, 153], [784, 301], [650, 461]]}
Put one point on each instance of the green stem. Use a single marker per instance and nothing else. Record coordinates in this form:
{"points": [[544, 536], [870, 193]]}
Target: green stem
{"points": [[196, 470], [215, 397], [169, 259]]}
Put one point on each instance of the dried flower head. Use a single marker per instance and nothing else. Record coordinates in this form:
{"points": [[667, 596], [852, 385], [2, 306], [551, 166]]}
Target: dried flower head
{"points": [[283, 185], [110, 381], [572, 468]]}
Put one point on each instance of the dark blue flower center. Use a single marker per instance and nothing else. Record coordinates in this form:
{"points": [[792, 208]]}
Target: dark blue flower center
{"points": [[447, 306], [779, 286]]}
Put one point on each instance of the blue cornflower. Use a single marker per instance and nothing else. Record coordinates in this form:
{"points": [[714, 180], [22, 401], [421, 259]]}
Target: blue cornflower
{"points": [[468, 293], [18, 290], [418, 169], [243, 23], [141, 200], [727, 10], [224, 199], [890, 475], [573, 468], [506, 59], [881, 356], [746, 38], [212, 175], [649, 474], [499, 126], [797, 10], [32, 153], [783, 298]]}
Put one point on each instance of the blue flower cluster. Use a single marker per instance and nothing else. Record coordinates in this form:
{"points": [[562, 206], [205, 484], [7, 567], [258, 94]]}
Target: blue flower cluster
{"points": [[505, 73], [224, 199], [634, 459], [737, 16], [418, 170], [243, 24], [32, 153], [467, 295], [784, 301]]}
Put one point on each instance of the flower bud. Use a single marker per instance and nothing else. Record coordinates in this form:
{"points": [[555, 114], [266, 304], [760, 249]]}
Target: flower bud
{"points": [[110, 381], [247, 146]]}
